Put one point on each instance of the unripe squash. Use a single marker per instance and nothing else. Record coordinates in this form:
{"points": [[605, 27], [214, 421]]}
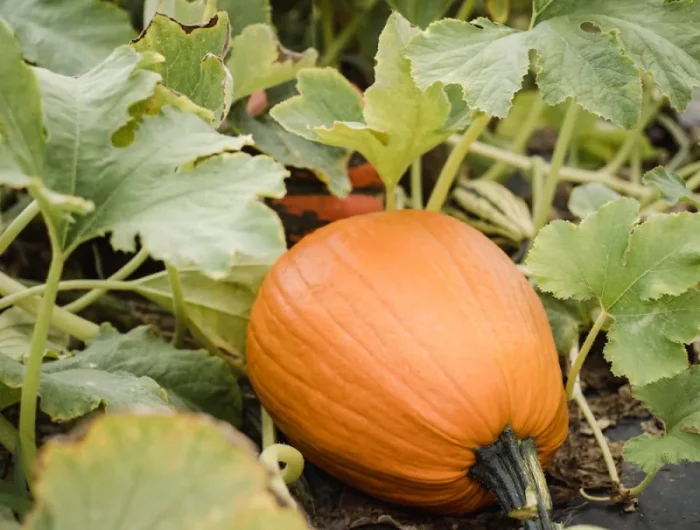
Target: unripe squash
{"points": [[389, 347]]}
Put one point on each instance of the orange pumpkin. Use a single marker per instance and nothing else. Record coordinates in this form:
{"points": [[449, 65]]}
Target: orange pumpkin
{"points": [[390, 347]]}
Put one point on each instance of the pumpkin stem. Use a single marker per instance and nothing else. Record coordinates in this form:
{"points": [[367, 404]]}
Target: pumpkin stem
{"points": [[510, 468]]}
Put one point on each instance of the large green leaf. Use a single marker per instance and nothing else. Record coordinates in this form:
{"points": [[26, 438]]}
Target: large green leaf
{"points": [[177, 185], [397, 124], [16, 329], [258, 60], [421, 12], [121, 371], [644, 276], [676, 401], [157, 471], [193, 64], [220, 309], [592, 51], [70, 36], [189, 12], [21, 121]]}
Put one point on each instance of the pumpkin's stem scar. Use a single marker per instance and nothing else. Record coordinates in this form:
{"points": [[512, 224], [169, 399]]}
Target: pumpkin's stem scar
{"points": [[510, 468]]}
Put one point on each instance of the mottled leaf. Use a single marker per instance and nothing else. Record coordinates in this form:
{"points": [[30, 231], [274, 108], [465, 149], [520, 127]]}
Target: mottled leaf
{"points": [[587, 198], [174, 472]]}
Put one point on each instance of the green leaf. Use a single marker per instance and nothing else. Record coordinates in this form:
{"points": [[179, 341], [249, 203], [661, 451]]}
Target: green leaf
{"points": [[672, 187], [243, 13], [70, 36], [194, 64], [175, 472], [122, 371], [21, 120], [16, 328], [258, 61], [644, 276], [188, 12], [587, 198], [70, 394], [221, 309], [676, 401], [398, 123], [176, 184], [421, 12], [328, 163], [192, 378], [568, 319], [592, 51]]}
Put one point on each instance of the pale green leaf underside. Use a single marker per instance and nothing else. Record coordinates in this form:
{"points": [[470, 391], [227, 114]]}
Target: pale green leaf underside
{"points": [[167, 472], [70, 36], [672, 187], [587, 198], [258, 61], [398, 122], [193, 64], [490, 60], [642, 275], [221, 309], [206, 215], [676, 401]]}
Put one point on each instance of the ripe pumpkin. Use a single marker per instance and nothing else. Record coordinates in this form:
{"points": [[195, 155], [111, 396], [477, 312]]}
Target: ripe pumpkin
{"points": [[390, 347]]}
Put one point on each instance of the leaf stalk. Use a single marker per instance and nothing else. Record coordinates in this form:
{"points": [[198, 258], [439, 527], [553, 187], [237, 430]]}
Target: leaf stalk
{"points": [[179, 309], [581, 356], [17, 225]]}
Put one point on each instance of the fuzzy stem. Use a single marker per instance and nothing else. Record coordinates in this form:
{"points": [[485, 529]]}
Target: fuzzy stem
{"points": [[519, 142], [454, 162], [127, 270], [465, 10], [417, 184], [17, 225], [8, 435], [570, 174], [330, 56], [30, 385], [390, 199], [550, 185], [61, 319], [327, 19], [178, 305], [581, 357], [510, 468], [639, 488], [681, 140], [688, 170]]}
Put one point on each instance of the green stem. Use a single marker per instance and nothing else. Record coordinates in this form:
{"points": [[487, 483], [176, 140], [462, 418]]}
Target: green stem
{"points": [[30, 385], [623, 154], [8, 435], [465, 10], [417, 184], [17, 225], [390, 199], [580, 176], [539, 169], [61, 319], [681, 140], [330, 56], [68, 285], [127, 270], [519, 142], [550, 185], [510, 468], [688, 170], [454, 162], [636, 163], [237, 366], [639, 488], [178, 305], [327, 19], [267, 428], [581, 357]]}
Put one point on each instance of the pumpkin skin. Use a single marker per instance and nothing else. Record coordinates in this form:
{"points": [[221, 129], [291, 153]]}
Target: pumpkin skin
{"points": [[389, 346]]}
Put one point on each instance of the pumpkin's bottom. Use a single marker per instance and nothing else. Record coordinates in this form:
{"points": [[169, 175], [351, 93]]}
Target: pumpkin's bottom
{"points": [[505, 473]]}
